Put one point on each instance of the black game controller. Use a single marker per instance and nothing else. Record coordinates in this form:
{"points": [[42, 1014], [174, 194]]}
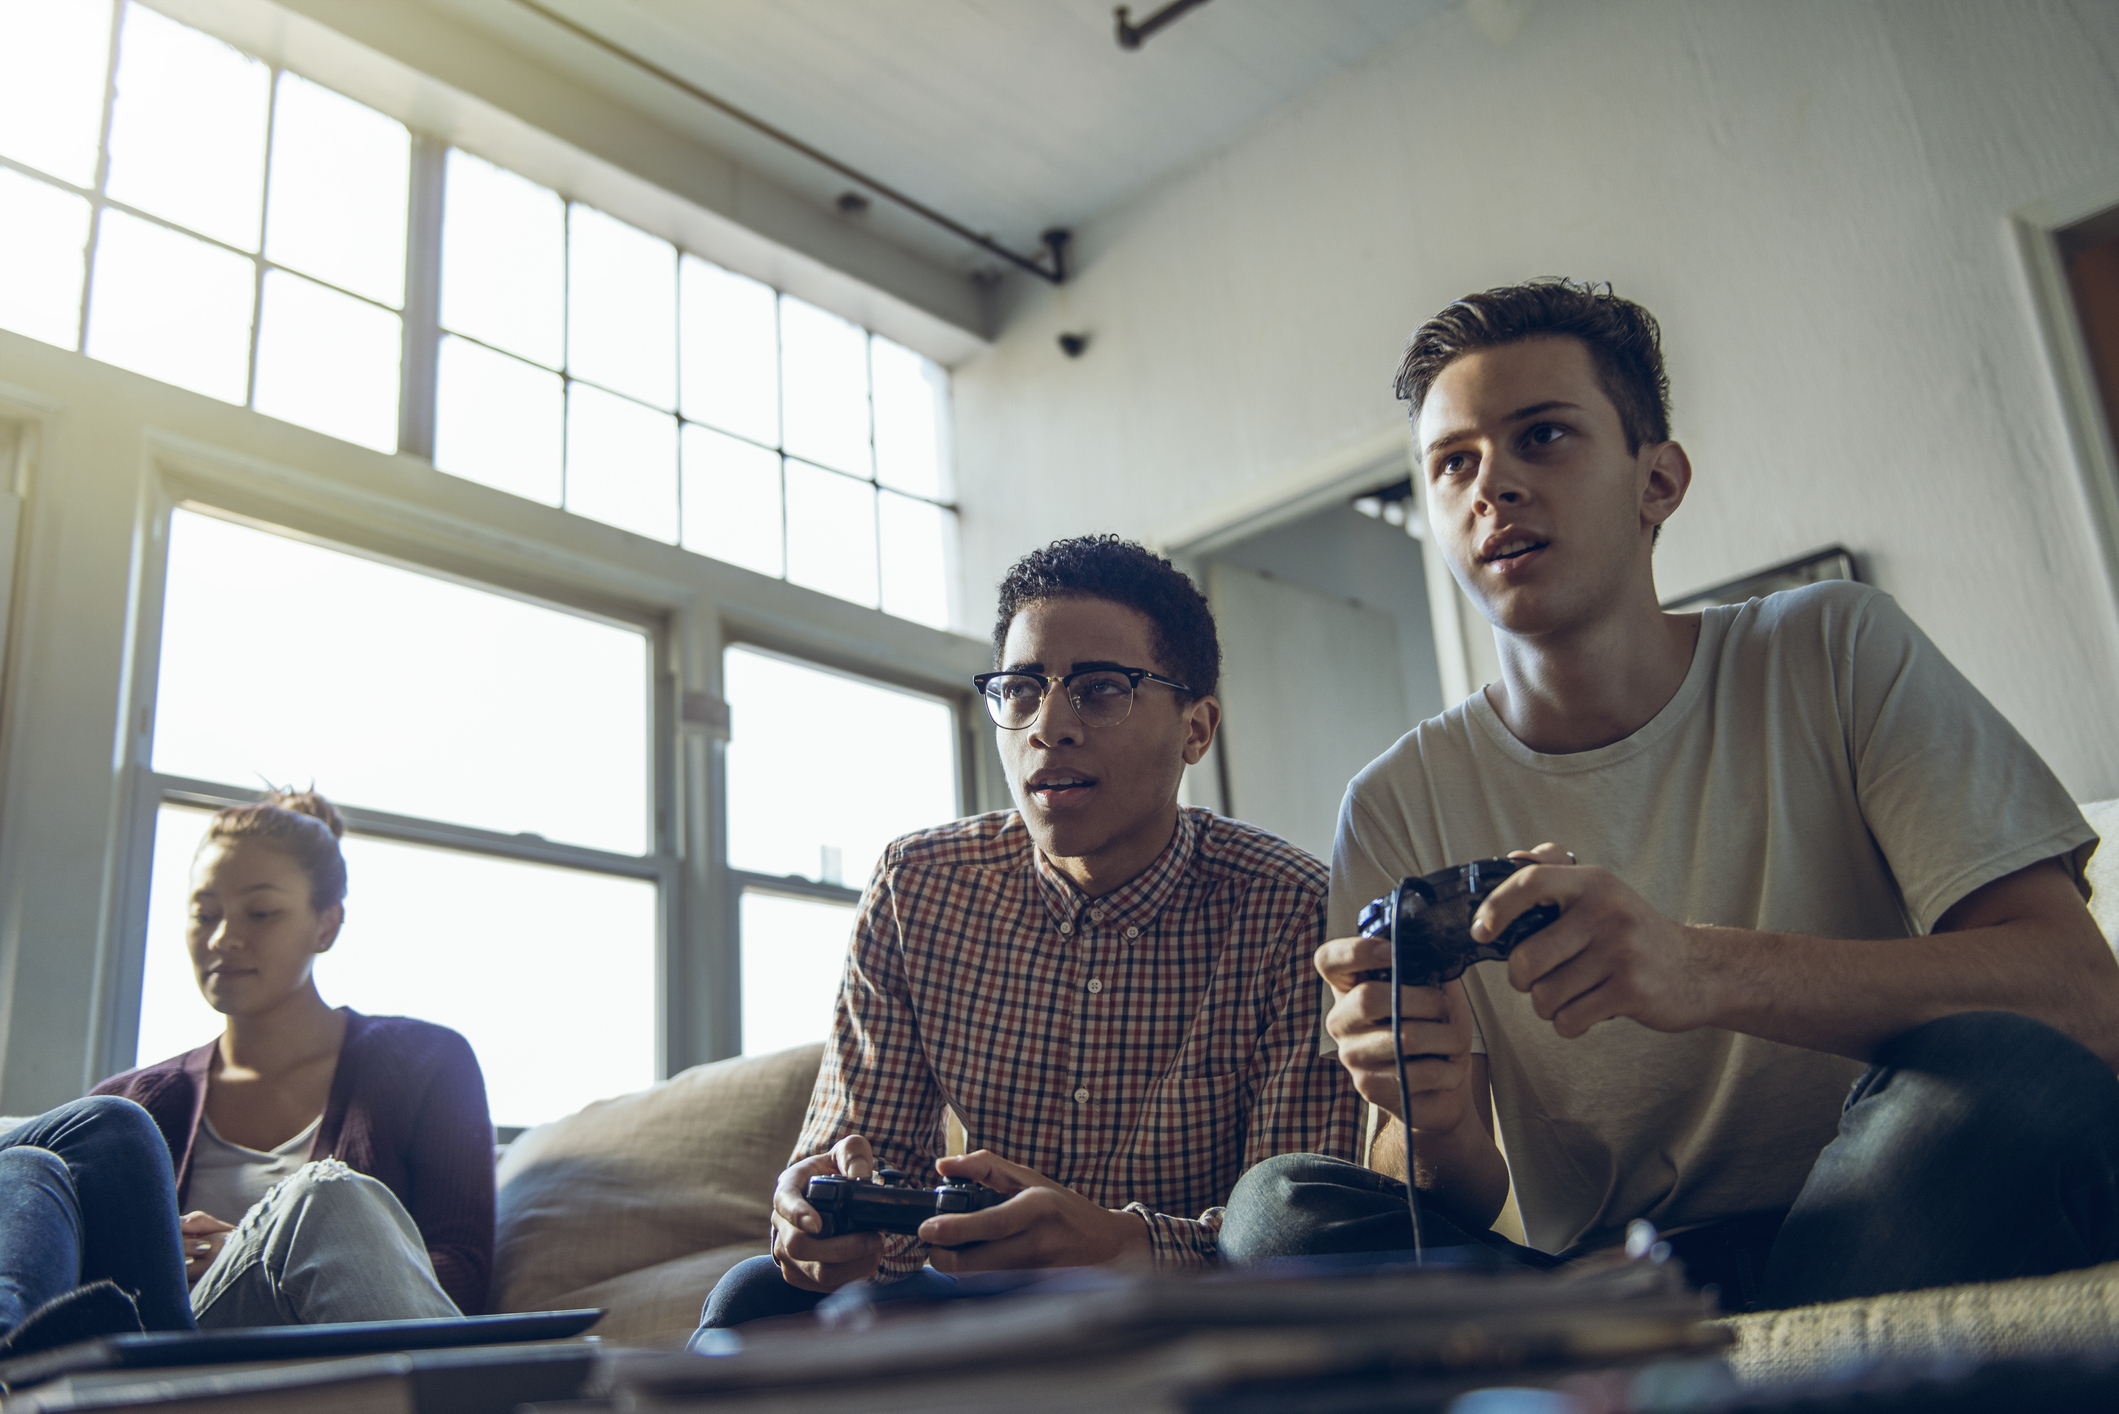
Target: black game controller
{"points": [[890, 1204], [1429, 921]]}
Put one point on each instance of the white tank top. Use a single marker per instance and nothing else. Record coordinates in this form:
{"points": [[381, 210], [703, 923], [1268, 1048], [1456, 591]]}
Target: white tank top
{"points": [[226, 1179]]}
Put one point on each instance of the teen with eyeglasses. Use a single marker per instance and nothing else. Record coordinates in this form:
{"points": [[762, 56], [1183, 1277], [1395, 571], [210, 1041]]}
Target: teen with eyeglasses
{"points": [[1112, 992]]}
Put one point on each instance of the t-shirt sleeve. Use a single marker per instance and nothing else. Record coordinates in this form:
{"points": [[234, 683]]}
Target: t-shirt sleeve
{"points": [[1953, 795]]}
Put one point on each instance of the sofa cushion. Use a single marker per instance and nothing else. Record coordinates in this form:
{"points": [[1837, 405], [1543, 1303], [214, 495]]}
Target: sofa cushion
{"points": [[657, 1306], [645, 1179], [2074, 1313]]}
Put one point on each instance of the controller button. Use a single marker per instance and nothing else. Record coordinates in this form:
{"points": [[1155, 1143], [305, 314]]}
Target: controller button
{"points": [[1096, 984], [1081, 1095]]}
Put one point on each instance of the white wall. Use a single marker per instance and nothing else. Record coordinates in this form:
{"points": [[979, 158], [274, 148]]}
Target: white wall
{"points": [[1812, 197]]}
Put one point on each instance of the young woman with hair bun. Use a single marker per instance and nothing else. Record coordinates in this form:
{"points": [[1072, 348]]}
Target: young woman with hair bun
{"points": [[329, 1166]]}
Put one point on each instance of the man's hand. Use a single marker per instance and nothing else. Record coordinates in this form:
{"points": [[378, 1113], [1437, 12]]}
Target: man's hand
{"points": [[203, 1236], [1041, 1224], [822, 1263], [1608, 953], [1437, 1035]]}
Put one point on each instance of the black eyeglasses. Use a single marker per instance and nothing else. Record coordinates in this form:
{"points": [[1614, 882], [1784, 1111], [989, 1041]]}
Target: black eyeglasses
{"points": [[1102, 695]]}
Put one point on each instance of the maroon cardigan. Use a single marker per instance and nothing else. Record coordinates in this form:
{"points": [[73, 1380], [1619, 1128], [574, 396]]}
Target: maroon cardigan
{"points": [[407, 1106]]}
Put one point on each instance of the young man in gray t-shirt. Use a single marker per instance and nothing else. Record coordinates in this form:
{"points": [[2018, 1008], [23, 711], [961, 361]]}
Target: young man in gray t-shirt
{"points": [[1787, 841]]}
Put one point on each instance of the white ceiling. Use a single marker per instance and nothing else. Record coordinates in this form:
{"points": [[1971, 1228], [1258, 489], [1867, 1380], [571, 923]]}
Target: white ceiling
{"points": [[1009, 116]]}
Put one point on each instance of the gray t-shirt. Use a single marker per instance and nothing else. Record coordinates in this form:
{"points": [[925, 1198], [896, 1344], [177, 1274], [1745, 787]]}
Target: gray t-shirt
{"points": [[1823, 770]]}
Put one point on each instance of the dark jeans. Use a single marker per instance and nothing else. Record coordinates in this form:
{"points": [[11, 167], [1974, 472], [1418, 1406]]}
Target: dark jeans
{"points": [[754, 1289], [87, 1194], [1978, 1147]]}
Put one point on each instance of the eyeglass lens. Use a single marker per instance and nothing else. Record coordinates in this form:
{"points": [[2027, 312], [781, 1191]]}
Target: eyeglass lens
{"points": [[1101, 699]]}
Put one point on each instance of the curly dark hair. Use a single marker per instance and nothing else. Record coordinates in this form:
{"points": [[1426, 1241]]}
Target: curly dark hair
{"points": [[1622, 339], [1106, 567]]}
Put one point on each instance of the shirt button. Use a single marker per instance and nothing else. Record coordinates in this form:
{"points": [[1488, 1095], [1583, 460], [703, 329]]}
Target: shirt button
{"points": [[1081, 1096], [1096, 984], [1132, 933], [1097, 914], [1066, 927]]}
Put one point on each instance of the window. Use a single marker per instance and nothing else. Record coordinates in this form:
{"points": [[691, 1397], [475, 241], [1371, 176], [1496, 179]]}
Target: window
{"points": [[493, 755], [824, 770], [183, 210]]}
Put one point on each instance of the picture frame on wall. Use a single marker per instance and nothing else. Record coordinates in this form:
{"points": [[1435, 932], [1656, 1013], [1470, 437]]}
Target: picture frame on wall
{"points": [[1833, 562]]}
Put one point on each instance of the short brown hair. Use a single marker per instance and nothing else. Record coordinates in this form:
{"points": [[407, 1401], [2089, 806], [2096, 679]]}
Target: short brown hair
{"points": [[1120, 572], [300, 823], [1622, 338]]}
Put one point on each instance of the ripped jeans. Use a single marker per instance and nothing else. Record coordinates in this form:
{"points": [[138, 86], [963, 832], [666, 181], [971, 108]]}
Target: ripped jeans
{"points": [[327, 1243]]}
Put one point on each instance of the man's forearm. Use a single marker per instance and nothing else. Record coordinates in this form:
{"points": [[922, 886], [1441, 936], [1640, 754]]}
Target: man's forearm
{"points": [[1849, 997]]}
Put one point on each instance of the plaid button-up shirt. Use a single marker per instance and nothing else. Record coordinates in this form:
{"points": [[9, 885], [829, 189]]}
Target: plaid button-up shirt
{"points": [[1142, 1048]]}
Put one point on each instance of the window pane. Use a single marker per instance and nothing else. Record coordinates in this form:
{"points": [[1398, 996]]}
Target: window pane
{"points": [[915, 559], [498, 420], [491, 948], [789, 809], [732, 500], [621, 463], [329, 361], [824, 368], [503, 260], [397, 690], [731, 352], [621, 307], [341, 173], [171, 307], [43, 239], [911, 420], [187, 138], [831, 533], [53, 59], [794, 950]]}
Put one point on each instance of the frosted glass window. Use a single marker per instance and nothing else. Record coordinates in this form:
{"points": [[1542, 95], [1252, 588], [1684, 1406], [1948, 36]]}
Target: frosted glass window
{"points": [[794, 952], [54, 58], [340, 177], [187, 137], [911, 419], [329, 361], [172, 307], [491, 948], [915, 559], [397, 690], [503, 260], [621, 463], [499, 420], [824, 394], [789, 809], [732, 500], [731, 352], [831, 533], [43, 241], [621, 307]]}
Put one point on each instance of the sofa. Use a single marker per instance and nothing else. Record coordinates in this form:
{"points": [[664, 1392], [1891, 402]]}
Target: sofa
{"points": [[640, 1203]]}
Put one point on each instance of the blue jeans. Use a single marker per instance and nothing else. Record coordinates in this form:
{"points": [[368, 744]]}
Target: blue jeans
{"points": [[1977, 1147], [754, 1289], [87, 1194]]}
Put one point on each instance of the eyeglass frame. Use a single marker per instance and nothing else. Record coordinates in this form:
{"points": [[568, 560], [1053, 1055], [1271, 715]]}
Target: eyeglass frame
{"points": [[1046, 682]]}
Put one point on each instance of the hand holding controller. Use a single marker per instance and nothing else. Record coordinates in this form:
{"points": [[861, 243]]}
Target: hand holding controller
{"points": [[1429, 920], [890, 1204]]}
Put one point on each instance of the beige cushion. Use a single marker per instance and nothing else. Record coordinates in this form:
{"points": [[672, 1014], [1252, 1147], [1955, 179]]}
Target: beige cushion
{"points": [[2074, 1313], [643, 1180], [2103, 869], [658, 1305]]}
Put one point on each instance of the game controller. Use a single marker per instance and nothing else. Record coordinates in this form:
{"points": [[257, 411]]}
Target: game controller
{"points": [[1429, 921], [890, 1204]]}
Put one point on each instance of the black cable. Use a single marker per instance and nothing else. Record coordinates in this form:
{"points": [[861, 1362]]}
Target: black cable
{"points": [[1405, 1100]]}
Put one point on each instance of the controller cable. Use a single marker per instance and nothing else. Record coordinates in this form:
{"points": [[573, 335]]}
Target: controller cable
{"points": [[1405, 1096]]}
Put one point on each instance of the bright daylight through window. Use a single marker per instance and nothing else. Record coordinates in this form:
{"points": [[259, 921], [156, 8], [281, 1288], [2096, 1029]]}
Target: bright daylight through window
{"points": [[524, 913], [800, 866], [198, 216]]}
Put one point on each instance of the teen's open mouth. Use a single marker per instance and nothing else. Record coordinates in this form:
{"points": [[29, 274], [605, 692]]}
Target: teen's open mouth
{"points": [[1054, 787], [1514, 547]]}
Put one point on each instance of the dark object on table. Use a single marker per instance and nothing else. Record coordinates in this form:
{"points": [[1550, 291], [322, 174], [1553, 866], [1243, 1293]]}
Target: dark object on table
{"points": [[1429, 922], [890, 1204]]}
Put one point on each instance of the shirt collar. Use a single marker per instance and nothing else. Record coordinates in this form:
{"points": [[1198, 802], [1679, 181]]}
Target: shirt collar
{"points": [[1135, 903]]}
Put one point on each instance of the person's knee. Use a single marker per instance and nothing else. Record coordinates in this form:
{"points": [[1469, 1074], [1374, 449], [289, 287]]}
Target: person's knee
{"points": [[751, 1289], [113, 1119], [1273, 1194], [25, 1165], [327, 1197], [2013, 1079]]}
